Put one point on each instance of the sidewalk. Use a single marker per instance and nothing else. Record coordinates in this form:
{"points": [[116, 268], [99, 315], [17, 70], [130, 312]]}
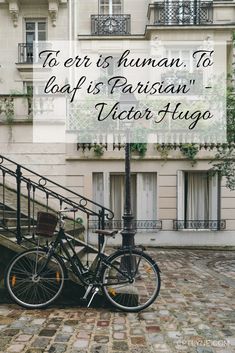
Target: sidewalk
{"points": [[193, 313]]}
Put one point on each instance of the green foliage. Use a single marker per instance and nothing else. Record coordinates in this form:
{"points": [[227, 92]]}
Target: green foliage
{"points": [[163, 150], [230, 115], [190, 150], [98, 150], [141, 148], [224, 161], [224, 164]]}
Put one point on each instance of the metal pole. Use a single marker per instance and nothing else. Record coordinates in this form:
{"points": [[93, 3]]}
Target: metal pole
{"points": [[128, 232], [18, 210]]}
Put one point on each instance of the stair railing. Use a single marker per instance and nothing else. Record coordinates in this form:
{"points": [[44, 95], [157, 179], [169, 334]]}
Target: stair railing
{"points": [[20, 184]]}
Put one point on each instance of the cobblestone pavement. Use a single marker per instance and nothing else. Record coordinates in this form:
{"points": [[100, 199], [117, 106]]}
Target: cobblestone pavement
{"points": [[195, 312]]}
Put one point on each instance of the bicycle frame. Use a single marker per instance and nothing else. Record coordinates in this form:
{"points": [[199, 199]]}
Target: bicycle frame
{"points": [[79, 269]]}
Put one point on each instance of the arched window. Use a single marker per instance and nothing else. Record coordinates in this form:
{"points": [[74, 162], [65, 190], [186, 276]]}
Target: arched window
{"points": [[110, 7]]}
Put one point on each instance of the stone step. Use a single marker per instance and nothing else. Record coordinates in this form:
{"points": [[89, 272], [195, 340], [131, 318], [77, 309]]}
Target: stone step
{"points": [[5, 207], [12, 222], [7, 214], [11, 231]]}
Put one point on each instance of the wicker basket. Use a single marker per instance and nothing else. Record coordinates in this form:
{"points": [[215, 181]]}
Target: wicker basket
{"points": [[46, 224]]}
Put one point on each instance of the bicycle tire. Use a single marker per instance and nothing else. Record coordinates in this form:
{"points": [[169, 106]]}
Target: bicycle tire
{"points": [[28, 290], [123, 294]]}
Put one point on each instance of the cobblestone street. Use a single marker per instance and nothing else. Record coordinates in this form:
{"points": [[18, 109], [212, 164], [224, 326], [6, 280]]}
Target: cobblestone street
{"points": [[193, 313]]}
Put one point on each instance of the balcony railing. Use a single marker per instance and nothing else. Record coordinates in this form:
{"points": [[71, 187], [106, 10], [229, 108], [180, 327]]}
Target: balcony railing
{"points": [[28, 53], [110, 25], [184, 12], [25, 53], [200, 224]]}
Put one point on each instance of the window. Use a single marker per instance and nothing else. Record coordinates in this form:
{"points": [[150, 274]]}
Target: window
{"points": [[198, 200], [117, 195], [35, 31], [110, 7], [109, 190]]}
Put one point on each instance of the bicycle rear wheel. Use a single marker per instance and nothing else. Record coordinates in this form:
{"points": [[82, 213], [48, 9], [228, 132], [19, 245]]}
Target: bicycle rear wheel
{"points": [[131, 281], [31, 281]]}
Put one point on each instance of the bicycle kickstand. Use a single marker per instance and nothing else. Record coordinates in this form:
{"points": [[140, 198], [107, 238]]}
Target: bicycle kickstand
{"points": [[96, 290]]}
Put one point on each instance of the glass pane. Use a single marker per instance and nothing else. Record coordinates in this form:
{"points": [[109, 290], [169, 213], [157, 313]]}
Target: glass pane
{"points": [[104, 7], [197, 196], [117, 6], [41, 26], [41, 36], [29, 89], [104, 10], [30, 26], [30, 37], [117, 10]]}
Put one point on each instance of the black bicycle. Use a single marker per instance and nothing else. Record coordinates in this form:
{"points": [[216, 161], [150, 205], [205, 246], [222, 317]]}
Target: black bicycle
{"points": [[129, 278]]}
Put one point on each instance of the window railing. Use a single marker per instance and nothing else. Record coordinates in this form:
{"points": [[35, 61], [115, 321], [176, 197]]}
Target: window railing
{"points": [[184, 12], [199, 224], [28, 53], [25, 53], [145, 225], [110, 25]]}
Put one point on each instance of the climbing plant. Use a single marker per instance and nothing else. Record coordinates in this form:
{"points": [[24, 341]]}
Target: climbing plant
{"points": [[141, 148], [190, 151]]}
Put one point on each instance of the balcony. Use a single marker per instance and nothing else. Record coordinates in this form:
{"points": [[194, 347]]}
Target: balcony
{"points": [[200, 225], [183, 13], [110, 25]]}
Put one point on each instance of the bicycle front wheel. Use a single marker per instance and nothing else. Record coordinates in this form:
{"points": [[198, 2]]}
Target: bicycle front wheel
{"points": [[131, 280], [32, 281]]}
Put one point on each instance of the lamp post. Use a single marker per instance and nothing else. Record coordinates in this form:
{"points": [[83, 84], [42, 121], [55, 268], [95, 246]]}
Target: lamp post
{"points": [[128, 232]]}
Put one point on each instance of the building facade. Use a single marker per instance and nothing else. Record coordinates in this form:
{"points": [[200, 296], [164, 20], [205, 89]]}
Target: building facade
{"points": [[175, 200]]}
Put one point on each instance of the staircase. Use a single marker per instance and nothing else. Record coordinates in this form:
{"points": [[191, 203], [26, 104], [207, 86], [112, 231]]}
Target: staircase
{"points": [[24, 192]]}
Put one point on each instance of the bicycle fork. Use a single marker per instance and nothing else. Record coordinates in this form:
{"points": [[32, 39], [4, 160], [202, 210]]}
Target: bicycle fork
{"points": [[94, 290]]}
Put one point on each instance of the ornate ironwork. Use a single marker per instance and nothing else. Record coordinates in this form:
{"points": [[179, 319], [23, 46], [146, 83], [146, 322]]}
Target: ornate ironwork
{"points": [[110, 25], [200, 224], [40, 189], [183, 12], [137, 224], [25, 53]]}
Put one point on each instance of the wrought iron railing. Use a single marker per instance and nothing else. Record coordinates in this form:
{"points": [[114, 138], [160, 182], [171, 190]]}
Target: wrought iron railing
{"points": [[184, 12], [25, 53], [28, 53], [25, 190], [110, 25], [200, 224], [144, 225]]}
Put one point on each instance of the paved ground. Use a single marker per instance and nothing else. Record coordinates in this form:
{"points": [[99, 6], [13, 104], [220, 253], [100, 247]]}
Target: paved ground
{"points": [[195, 312]]}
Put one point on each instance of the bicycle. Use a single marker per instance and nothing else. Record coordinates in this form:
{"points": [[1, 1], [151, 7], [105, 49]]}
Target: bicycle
{"points": [[129, 278]]}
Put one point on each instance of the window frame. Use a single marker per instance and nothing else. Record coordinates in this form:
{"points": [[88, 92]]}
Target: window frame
{"points": [[110, 8], [105, 196], [36, 21], [214, 200]]}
